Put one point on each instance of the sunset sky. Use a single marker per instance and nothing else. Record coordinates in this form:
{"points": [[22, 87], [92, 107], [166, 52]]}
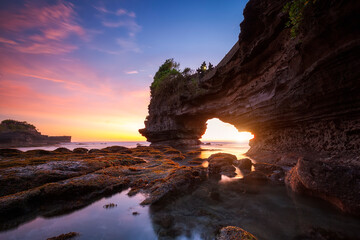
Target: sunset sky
{"points": [[83, 68]]}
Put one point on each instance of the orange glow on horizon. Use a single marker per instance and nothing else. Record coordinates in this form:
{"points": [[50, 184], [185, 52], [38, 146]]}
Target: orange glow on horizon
{"points": [[220, 131], [93, 129]]}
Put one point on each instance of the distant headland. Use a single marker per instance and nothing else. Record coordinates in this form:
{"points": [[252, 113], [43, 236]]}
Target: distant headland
{"points": [[22, 134]]}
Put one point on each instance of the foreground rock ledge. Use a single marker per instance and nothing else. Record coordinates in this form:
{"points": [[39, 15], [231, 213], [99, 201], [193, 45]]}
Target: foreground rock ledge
{"points": [[234, 233], [299, 96], [45, 183]]}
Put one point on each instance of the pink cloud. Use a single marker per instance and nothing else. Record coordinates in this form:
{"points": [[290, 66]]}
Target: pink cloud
{"points": [[121, 12], [53, 25], [132, 72], [131, 14]]}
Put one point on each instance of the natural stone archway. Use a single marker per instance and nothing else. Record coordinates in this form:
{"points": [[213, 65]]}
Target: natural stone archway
{"points": [[300, 97], [293, 94]]}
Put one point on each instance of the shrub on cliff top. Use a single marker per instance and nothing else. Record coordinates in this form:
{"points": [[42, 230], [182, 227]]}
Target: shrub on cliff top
{"points": [[172, 84], [168, 69], [13, 125]]}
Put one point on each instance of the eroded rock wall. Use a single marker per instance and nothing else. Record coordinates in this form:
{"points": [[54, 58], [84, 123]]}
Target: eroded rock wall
{"points": [[299, 97], [271, 84]]}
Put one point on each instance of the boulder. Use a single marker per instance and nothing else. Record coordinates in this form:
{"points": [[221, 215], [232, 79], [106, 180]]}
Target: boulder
{"points": [[334, 180], [267, 168], [9, 152], [244, 164], [80, 150], [62, 150], [117, 149], [255, 178], [222, 163]]}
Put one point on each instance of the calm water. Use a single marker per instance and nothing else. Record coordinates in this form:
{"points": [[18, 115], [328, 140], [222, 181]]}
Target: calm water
{"points": [[236, 148], [93, 222], [88, 145], [267, 211]]}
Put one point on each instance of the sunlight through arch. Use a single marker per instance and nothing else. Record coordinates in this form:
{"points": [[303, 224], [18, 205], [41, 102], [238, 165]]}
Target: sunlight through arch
{"points": [[219, 131]]}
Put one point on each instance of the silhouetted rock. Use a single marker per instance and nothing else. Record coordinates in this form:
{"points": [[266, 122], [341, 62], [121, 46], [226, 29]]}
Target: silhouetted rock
{"points": [[22, 134]]}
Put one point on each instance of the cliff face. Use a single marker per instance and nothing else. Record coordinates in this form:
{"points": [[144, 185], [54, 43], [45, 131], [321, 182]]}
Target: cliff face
{"points": [[291, 93], [297, 96]]}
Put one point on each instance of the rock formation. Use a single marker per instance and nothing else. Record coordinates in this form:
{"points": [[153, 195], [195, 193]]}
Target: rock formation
{"points": [[296, 95], [22, 134]]}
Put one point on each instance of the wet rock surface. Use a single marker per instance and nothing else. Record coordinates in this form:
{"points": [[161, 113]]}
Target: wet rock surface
{"points": [[329, 180], [185, 199], [41, 182], [244, 164], [222, 163], [234, 233]]}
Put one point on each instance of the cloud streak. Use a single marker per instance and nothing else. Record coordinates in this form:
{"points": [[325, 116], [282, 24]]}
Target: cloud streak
{"points": [[132, 72], [40, 29]]}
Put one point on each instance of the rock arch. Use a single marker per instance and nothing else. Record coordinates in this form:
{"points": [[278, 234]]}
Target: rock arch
{"points": [[300, 97], [293, 94]]}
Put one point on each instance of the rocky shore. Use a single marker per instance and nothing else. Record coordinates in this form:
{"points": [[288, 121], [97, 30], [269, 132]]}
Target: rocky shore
{"points": [[50, 183], [47, 183]]}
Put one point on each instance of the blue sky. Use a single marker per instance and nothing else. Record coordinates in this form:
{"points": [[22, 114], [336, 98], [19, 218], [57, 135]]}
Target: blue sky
{"points": [[84, 67]]}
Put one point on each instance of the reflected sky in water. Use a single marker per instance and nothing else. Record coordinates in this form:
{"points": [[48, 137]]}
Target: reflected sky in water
{"points": [[93, 222]]}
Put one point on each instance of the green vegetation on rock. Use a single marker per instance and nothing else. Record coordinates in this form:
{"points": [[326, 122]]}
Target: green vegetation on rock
{"points": [[295, 9], [171, 82], [13, 125], [168, 69]]}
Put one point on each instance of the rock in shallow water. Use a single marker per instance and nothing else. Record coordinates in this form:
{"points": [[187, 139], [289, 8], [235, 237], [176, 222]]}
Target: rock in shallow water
{"points": [[244, 164], [222, 163], [334, 180]]}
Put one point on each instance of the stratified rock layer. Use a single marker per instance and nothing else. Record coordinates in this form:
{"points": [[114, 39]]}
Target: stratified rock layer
{"points": [[296, 96]]}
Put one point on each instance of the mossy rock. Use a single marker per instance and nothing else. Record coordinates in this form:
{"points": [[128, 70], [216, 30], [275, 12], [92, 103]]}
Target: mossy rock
{"points": [[234, 233], [80, 150], [117, 149], [9, 152], [62, 150], [38, 152]]}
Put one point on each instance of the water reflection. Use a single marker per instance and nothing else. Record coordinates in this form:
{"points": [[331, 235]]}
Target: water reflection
{"points": [[93, 222], [264, 210]]}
